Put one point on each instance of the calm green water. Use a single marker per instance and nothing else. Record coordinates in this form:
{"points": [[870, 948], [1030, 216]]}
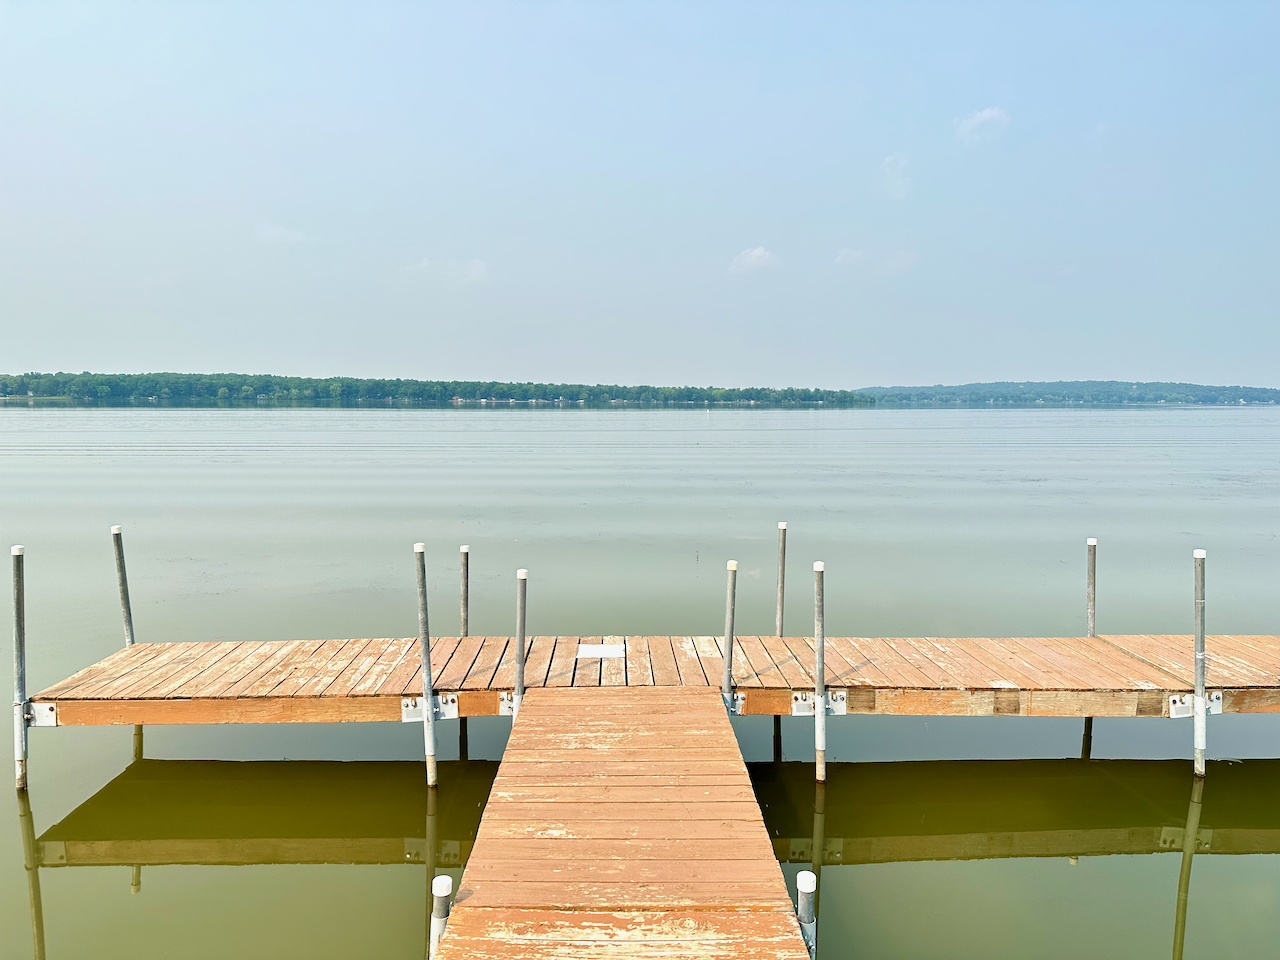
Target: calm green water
{"points": [[300, 523]]}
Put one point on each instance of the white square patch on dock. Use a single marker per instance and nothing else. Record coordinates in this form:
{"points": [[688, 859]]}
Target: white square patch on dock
{"points": [[590, 651]]}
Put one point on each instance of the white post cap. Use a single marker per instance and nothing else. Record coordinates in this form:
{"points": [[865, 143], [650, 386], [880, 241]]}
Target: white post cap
{"points": [[464, 549], [1199, 554], [18, 550], [115, 530], [806, 881], [419, 547], [818, 566], [731, 565], [442, 886], [1091, 542], [522, 574], [782, 524]]}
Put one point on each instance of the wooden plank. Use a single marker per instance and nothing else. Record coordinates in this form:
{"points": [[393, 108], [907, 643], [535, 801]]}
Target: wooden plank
{"points": [[553, 828], [406, 679], [662, 659], [613, 670], [459, 665], [134, 672], [260, 669], [792, 672], [639, 666], [314, 676], [762, 671], [73, 713], [164, 668], [537, 658], [193, 670], [111, 667], [586, 670], [229, 671], [690, 657], [386, 665], [485, 665], [268, 680], [563, 661], [360, 665]]}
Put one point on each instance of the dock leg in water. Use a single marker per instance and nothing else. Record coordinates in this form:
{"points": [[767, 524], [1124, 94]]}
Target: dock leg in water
{"points": [[782, 575], [819, 674], [522, 596], [1189, 841], [1091, 621], [441, 893], [1086, 742], [777, 739], [806, 900], [135, 882], [464, 553], [1199, 703], [126, 612], [730, 599], [424, 653], [463, 747], [19, 670]]}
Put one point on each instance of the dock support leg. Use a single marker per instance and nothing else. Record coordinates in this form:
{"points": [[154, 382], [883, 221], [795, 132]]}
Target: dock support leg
{"points": [[1091, 620], [731, 589], [126, 612], [424, 653], [777, 739], [1190, 839], [19, 670], [522, 593], [31, 861], [819, 674], [441, 892], [464, 553], [806, 898], [1199, 703], [135, 882], [782, 574], [463, 747]]}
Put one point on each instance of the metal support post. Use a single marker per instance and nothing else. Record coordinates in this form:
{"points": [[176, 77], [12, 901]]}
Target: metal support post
{"points": [[19, 670], [777, 739], [135, 882], [463, 746], [819, 674], [782, 573], [731, 589], [819, 840], [441, 891], [464, 553], [126, 611], [522, 590], [1091, 620], [1199, 704], [31, 861], [424, 654], [806, 889]]}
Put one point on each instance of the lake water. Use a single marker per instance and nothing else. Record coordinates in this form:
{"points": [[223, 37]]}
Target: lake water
{"points": [[265, 524]]}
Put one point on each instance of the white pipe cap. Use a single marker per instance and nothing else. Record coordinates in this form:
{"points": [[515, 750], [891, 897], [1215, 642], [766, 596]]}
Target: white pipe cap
{"points": [[464, 549], [1091, 542], [115, 530], [818, 566], [1199, 554], [18, 550], [731, 565], [806, 881], [442, 886], [419, 547], [522, 574], [782, 525]]}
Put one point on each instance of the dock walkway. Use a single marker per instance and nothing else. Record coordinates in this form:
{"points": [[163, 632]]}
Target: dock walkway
{"points": [[365, 679], [622, 824]]}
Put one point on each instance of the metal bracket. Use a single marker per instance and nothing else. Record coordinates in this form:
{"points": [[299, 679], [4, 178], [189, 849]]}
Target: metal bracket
{"points": [[1183, 705], [506, 704], [43, 715], [736, 705], [803, 703], [1173, 838], [445, 708]]}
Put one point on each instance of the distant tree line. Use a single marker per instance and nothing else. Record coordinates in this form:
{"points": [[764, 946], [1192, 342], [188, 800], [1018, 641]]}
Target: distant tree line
{"points": [[183, 389], [1073, 391], [236, 388]]}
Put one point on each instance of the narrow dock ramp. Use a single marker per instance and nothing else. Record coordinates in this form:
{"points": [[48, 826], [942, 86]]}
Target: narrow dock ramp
{"points": [[622, 823]]}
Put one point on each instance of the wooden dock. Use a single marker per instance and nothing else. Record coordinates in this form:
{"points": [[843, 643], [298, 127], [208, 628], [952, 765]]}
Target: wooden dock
{"points": [[622, 823], [366, 679]]}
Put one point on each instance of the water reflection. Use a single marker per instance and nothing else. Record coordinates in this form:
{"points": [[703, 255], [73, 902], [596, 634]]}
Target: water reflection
{"points": [[172, 812], [869, 813]]}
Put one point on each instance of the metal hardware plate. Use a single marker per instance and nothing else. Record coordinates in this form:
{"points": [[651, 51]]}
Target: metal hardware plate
{"points": [[1172, 838], [803, 701], [1182, 705], [506, 704], [837, 703], [591, 651], [44, 714], [737, 704], [446, 708], [1215, 702]]}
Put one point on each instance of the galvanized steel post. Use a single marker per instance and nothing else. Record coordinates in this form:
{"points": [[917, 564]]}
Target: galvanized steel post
{"points": [[1199, 704], [19, 670], [782, 573], [31, 862], [1190, 839], [819, 674], [806, 887], [731, 589], [464, 553], [441, 892], [122, 579], [1090, 602], [424, 655], [522, 589]]}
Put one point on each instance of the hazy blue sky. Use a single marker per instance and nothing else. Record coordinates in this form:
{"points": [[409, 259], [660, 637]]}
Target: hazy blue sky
{"points": [[805, 194]]}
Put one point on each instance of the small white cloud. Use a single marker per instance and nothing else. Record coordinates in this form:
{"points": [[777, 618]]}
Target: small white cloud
{"points": [[981, 124], [845, 255], [893, 175], [268, 232], [453, 271], [753, 258], [898, 262]]}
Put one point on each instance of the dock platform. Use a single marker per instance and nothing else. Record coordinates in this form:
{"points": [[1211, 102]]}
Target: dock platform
{"points": [[622, 823], [367, 679]]}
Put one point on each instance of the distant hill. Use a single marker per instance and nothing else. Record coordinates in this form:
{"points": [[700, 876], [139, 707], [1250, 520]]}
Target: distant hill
{"points": [[1073, 391], [202, 389]]}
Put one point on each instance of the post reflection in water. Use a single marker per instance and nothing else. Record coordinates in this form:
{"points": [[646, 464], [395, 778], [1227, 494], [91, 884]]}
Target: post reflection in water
{"points": [[873, 813], [209, 812]]}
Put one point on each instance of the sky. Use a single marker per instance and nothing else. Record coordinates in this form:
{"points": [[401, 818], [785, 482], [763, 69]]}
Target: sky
{"points": [[826, 195]]}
